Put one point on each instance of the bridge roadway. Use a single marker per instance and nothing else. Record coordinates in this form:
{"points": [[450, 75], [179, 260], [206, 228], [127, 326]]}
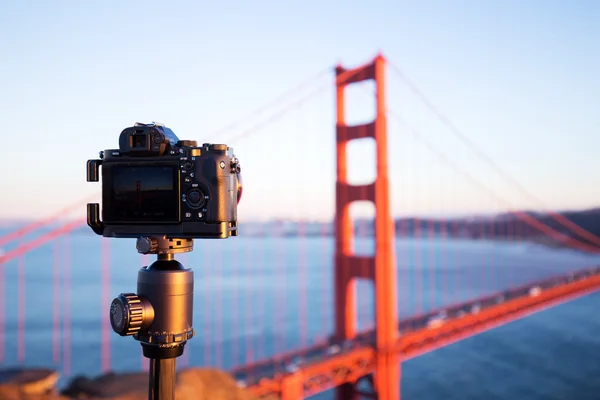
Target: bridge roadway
{"points": [[322, 367]]}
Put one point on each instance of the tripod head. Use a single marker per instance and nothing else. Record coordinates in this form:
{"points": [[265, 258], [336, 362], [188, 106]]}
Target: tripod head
{"points": [[160, 315]]}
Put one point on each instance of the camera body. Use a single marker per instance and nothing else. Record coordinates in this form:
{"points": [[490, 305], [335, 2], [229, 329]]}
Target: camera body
{"points": [[156, 184]]}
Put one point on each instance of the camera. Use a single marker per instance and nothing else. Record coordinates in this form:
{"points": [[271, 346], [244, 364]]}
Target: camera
{"points": [[156, 184]]}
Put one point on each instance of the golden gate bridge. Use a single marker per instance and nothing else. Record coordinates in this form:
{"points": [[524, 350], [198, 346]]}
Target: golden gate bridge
{"points": [[348, 359]]}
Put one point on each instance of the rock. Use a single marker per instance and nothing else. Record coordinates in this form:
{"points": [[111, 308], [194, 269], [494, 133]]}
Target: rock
{"points": [[31, 381], [208, 384], [110, 385], [192, 384], [28, 384]]}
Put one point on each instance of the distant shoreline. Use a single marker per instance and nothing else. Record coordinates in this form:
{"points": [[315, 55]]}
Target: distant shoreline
{"points": [[503, 227]]}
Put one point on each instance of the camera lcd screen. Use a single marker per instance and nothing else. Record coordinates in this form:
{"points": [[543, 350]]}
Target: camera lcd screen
{"points": [[143, 194]]}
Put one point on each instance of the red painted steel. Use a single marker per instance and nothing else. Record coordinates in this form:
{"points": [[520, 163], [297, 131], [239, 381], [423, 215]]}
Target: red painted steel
{"points": [[9, 237], [21, 299], [56, 304], [349, 367], [43, 239], [2, 312], [67, 295], [382, 266], [423, 341]]}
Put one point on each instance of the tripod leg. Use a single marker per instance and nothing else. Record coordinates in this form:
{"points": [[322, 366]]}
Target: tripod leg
{"points": [[162, 379]]}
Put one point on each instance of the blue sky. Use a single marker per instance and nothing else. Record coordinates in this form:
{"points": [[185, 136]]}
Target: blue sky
{"points": [[519, 78]]}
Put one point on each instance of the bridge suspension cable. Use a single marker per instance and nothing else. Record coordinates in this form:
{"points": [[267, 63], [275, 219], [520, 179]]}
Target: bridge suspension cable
{"points": [[32, 244], [281, 113], [9, 237], [523, 216], [561, 219], [275, 102]]}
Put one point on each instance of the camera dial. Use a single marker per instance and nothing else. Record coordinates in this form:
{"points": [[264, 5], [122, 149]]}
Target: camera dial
{"points": [[195, 198], [129, 313], [237, 169], [146, 245]]}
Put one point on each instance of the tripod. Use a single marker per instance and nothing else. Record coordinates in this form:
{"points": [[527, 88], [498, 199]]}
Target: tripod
{"points": [[160, 315]]}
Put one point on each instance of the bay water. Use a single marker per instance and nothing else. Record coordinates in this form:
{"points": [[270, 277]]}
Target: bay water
{"points": [[258, 296]]}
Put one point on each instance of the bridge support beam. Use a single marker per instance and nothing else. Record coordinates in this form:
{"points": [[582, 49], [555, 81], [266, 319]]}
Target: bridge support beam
{"points": [[382, 266], [291, 387]]}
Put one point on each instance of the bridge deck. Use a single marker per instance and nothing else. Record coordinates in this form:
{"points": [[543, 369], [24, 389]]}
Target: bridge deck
{"points": [[325, 366]]}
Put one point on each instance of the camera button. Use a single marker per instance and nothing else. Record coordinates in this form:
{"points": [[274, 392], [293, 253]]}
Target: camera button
{"points": [[218, 147], [195, 198], [187, 165], [188, 215], [187, 179]]}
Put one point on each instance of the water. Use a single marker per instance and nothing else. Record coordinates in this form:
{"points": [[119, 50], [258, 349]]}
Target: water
{"points": [[254, 297]]}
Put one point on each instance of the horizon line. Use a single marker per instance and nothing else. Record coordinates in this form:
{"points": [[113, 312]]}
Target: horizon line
{"points": [[7, 222]]}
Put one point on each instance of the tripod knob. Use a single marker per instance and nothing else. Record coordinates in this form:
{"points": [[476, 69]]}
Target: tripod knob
{"points": [[146, 245], [129, 313]]}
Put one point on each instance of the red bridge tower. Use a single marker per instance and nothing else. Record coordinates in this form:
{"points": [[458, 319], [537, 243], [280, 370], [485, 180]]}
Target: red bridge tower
{"points": [[382, 266]]}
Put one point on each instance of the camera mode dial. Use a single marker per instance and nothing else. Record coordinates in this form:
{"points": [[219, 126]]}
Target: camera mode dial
{"points": [[129, 313], [218, 147], [187, 143]]}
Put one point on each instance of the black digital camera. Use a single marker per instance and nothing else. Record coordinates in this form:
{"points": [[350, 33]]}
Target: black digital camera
{"points": [[156, 184]]}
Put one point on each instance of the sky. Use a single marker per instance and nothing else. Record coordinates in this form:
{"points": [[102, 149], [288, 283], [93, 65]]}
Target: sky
{"points": [[518, 79]]}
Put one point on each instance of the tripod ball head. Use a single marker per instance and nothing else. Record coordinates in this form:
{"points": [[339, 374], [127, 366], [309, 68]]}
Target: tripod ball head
{"points": [[160, 314], [130, 313]]}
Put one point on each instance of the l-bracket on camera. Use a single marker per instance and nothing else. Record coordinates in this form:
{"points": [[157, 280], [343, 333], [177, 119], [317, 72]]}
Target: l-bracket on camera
{"points": [[165, 192]]}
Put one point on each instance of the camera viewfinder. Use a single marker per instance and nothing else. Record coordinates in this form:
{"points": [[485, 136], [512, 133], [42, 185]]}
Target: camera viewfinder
{"points": [[138, 139]]}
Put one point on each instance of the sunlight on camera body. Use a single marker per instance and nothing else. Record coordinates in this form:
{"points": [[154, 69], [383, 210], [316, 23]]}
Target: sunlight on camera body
{"points": [[156, 184]]}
